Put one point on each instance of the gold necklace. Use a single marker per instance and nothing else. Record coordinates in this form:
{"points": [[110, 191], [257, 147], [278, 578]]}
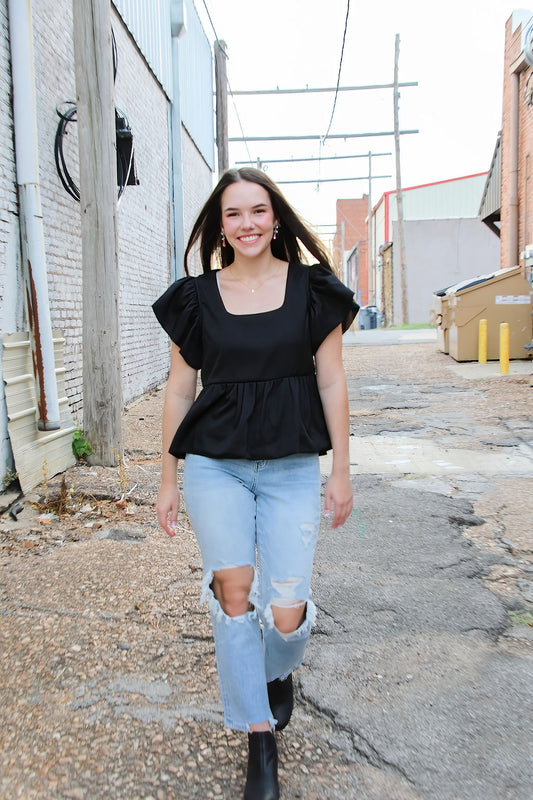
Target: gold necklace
{"points": [[259, 285]]}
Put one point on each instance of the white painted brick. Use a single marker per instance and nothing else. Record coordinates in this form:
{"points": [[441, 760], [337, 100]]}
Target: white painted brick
{"points": [[144, 234]]}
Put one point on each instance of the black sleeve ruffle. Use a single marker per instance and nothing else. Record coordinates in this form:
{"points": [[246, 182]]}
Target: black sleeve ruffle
{"points": [[331, 304], [178, 312]]}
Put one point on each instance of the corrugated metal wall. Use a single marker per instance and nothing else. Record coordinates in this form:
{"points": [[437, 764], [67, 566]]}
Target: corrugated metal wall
{"points": [[455, 199], [149, 24], [196, 85], [492, 194]]}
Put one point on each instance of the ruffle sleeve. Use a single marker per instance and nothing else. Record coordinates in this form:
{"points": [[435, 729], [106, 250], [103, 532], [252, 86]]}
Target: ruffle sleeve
{"points": [[331, 304], [178, 313]]}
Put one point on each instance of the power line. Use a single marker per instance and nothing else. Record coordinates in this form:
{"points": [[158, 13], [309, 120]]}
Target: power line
{"points": [[210, 20], [339, 73], [239, 121], [229, 87]]}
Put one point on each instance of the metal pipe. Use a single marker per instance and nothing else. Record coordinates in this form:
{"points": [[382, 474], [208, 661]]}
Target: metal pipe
{"points": [[178, 26], [31, 218], [514, 132]]}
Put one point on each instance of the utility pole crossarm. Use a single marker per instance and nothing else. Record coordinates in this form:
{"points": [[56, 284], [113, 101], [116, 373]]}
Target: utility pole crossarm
{"points": [[307, 90], [318, 137]]}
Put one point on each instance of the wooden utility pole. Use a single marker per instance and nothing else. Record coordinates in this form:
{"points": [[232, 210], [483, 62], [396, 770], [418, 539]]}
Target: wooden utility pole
{"points": [[221, 82], [102, 381], [399, 196], [371, 296]]}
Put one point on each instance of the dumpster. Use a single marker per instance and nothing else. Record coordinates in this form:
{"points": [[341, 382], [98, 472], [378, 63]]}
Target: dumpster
{"points": [[502, 296], [441, 319], [368, 318]]}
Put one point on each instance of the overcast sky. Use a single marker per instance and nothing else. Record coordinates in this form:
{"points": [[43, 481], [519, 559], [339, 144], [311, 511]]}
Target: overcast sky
{"points": [[453, 49]]}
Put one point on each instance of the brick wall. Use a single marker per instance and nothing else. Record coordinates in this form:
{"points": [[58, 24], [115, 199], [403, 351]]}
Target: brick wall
{"points": [[144, 232], [144, 226], [353, 214], [515, 63]]}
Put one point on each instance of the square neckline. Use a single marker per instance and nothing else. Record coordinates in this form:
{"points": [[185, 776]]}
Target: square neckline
{"points": [[253, 313]]}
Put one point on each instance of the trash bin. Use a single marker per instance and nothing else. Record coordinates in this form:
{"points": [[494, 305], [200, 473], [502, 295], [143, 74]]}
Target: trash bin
{"points": [[368, 318], [441, 319], [502, 296]]}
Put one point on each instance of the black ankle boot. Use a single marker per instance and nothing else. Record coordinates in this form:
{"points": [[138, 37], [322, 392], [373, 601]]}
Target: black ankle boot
{"points": [[262, 775], [281, 699]]}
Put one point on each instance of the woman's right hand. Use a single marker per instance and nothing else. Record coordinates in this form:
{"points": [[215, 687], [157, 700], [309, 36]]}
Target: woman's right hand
{"points": [[167, 507]]}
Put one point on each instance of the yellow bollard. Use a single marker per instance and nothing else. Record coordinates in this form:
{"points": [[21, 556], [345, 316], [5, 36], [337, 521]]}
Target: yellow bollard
{"points": [[482, 342], [504, 348]]}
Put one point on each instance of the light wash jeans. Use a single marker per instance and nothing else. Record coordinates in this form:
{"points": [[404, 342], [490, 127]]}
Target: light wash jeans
{"points": [[265, 514]]}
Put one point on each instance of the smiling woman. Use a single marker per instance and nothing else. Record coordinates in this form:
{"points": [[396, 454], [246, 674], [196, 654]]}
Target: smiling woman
{"points": [[265, 331]]}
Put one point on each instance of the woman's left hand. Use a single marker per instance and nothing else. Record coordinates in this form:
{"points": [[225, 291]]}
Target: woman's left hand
{"points": [[338, 499]]}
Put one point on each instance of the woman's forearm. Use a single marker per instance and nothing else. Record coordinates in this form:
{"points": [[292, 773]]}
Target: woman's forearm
{"points": [[179, 397], [334, 399]]}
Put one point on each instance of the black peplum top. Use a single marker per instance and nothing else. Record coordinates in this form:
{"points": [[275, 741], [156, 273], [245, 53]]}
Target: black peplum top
{"points": [[259, 397]]}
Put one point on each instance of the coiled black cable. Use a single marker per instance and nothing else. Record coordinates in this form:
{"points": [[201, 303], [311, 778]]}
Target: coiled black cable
{"points": [[124, 140]]}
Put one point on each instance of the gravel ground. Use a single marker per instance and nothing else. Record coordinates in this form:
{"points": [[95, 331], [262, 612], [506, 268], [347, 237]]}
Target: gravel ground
{"points": [[108, 686]]}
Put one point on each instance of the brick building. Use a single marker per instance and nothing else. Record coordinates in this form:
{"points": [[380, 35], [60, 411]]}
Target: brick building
{"points": [[445, 242], [517, 139], [351, 233], [147, 214]]}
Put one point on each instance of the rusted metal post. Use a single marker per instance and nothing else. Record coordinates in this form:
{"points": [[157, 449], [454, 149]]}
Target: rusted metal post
{"points": [[31, 218]]}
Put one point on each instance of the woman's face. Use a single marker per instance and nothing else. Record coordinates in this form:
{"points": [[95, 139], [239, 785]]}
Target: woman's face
{"points": [[247, 218]]}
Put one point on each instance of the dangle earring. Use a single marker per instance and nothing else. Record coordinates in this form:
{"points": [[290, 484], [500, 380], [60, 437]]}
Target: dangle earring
{"points": [[276, 230], [222, 238]]}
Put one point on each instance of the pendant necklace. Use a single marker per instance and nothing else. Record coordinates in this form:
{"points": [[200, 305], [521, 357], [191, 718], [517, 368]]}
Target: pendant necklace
{"points": [[259, 285]]}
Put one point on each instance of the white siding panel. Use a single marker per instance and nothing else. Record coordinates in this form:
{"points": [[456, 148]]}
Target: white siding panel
{"points": [[149, 24], [148, 21], [455, 199], [196, 85]]}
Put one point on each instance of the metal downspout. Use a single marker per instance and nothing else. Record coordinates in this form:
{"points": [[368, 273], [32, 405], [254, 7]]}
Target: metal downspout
{"points": [[178, 28], [31, 220], [514, 132]]}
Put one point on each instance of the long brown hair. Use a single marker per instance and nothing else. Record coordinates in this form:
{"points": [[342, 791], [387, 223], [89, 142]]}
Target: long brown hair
{"points": [[293, 231]]}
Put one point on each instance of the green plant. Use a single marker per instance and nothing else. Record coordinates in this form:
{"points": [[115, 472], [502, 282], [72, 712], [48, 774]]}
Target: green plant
{"points": [[10, 477], [80, 446], [521, 617]]}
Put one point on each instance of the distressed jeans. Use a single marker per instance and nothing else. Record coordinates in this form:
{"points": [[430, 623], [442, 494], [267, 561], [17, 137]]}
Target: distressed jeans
{"points": [[264, 514]]}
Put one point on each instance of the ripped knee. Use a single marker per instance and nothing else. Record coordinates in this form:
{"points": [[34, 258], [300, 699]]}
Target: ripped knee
{"points": [[232, 588], [289, 618], [287, 611]]}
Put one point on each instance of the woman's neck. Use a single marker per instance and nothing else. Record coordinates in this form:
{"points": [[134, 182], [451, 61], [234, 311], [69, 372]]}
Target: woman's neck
{"points": [[264, 264]]}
